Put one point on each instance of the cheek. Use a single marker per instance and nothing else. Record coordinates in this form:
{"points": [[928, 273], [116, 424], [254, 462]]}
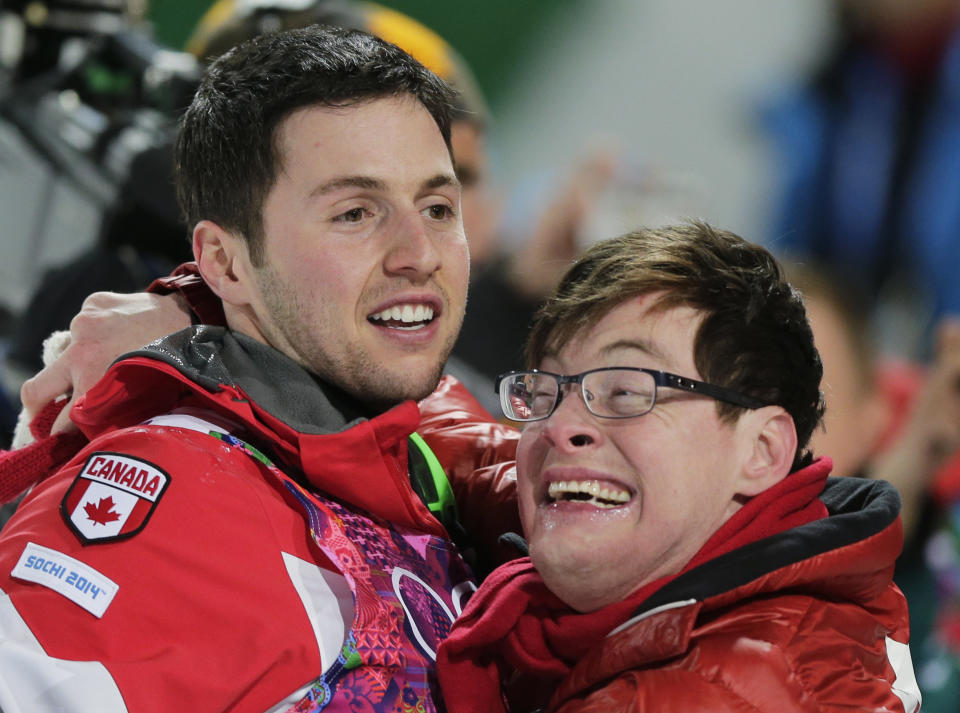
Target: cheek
{"points": [[457, 265], [529, 449], [528, 465], [526, 515], [340, 277]]}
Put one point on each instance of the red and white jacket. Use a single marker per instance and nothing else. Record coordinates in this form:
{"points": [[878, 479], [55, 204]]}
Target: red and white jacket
{"points": [[167, 567]]}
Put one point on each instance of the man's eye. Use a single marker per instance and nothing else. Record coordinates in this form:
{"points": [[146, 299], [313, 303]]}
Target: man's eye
{"points": [[626, 401], [440, 211], [354, 215]]}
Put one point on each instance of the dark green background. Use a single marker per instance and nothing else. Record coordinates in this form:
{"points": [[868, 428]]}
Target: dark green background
{"points": [[492, 35]]}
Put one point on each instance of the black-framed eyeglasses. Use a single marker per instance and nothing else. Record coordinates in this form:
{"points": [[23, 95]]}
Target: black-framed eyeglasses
{"points": [[608, 392]]}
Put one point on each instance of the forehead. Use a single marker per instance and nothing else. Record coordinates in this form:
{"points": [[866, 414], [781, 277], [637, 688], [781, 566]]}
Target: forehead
{"points": [[375, 132], [640, 331]]}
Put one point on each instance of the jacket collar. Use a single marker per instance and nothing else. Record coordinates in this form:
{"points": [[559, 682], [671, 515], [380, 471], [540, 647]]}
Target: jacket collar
{"points": [[859, 510], [307, 425], [215, 357]]}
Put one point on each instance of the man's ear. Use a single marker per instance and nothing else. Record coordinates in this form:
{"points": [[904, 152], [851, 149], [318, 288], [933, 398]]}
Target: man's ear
{"points": [[224, 262], [769, 447]]}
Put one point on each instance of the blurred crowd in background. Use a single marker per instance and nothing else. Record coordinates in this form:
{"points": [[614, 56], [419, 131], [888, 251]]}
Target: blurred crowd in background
{"points": [[829, 131]]}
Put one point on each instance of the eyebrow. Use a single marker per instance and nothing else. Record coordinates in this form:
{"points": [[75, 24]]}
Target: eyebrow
{"points": [[375, 184], [643, 345], [336, 184], [441, 180]]}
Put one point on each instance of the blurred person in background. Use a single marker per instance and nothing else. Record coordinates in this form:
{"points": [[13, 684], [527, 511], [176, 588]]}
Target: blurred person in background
{"points": [[920, 456], [893, 420], [868, 161]]}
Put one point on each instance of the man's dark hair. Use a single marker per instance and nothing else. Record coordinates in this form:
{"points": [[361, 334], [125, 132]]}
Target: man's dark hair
{"points": [[227, 153], [754, 337]]}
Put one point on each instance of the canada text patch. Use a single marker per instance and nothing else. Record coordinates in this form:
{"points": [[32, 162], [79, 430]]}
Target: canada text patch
{"points": [[112, 497]]}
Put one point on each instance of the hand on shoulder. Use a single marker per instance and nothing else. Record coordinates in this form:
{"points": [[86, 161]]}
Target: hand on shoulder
{"points": [[108, 325]]}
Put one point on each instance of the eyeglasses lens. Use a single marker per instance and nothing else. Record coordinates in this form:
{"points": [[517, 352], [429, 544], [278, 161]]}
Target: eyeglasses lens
{"points": [[619, 393], [529, 396], [609, 393]]}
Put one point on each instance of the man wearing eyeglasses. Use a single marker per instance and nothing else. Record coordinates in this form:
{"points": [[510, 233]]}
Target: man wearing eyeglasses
{"points": [[687, 552]]}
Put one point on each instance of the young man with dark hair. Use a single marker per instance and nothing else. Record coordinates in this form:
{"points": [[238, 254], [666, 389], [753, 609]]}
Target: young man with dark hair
{"points": [[686, 551], [255, 524]]}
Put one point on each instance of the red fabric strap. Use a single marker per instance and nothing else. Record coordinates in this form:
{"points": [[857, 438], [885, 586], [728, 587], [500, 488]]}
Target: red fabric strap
{"points": [[26, 466]]}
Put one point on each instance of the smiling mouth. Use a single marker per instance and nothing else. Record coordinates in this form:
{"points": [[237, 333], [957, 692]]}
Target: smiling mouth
{"points": [[592, 492], [406, 317]]}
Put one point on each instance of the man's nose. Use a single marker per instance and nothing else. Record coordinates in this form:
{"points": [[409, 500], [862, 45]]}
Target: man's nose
{"points": [[571, 426], [413, 252]]}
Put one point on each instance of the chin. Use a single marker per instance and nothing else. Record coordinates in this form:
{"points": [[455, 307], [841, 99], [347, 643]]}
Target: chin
{"points": [[580, 593], [417, 387], [394, 388], [581, 580]]}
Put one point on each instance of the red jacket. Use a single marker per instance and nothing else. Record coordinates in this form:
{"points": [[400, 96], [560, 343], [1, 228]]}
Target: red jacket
{"points": [[216, 587], [804, 620], [792, 623]]}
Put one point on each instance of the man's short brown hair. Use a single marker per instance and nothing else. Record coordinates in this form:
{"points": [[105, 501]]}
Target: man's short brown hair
{"points": [[754, 338]]}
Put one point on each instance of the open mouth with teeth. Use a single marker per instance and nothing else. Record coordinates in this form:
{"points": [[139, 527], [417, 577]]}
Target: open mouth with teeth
{"points": [[592, 492], [404, 316]]}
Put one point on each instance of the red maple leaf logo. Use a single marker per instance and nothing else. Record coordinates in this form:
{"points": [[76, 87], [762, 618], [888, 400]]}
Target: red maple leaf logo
{"points": [[103, 512]]}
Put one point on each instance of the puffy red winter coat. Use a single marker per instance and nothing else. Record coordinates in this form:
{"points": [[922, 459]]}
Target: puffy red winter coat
{"points": [[808, 620]]}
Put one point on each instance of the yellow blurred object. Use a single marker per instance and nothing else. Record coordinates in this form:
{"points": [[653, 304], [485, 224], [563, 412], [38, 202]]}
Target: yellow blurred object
{"points": [[229, 22], [426, 46], [211, 22]]}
